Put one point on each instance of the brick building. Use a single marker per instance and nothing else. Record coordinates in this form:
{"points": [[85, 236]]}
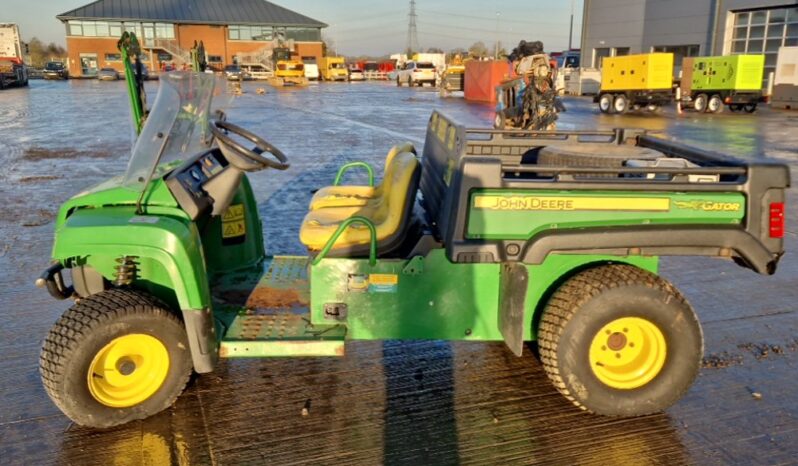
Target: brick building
{"points": [[233, 31]]}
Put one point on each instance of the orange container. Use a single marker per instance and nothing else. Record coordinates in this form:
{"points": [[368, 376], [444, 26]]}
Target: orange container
{"points": [[482, 77]]}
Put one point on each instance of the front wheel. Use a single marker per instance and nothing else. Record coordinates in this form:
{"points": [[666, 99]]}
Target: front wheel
{"points": [[117, 356], [619, 341], [700, 103]]}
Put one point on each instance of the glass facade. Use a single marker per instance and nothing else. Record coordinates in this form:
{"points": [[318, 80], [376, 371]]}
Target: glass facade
{"points": [[114, 29], [764, 31], [267, 33]]}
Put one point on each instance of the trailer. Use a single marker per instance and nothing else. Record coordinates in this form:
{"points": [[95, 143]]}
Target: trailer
{"points": [[710, 83], [13, 71], [785, 84], [632, 82]]}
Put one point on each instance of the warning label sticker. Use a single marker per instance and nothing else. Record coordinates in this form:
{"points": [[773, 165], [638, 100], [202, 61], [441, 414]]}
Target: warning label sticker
{"points": [[233, 224], [383, 283]]}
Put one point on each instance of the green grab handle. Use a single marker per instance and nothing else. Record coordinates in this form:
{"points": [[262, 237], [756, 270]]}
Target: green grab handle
{"points": [[344, 225], [349, 165]]}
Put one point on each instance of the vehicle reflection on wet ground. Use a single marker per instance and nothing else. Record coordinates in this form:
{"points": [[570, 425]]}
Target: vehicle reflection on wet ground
{"points": [[422, 402]]}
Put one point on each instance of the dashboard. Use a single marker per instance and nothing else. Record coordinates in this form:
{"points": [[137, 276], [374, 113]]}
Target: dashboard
{"points": [[187, 182]]}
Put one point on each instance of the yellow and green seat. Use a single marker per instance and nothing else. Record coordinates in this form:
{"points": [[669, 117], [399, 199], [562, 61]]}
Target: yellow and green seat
{"points": [[357, 195], [376, 226]]}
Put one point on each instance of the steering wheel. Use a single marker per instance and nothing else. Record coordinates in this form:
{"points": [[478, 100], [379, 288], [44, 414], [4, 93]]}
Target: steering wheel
{"points": [[240, 156]]}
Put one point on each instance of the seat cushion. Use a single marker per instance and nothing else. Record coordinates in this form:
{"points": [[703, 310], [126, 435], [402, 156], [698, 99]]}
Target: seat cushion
{"points": [[342, 196], [390, 213], [349, 196]]}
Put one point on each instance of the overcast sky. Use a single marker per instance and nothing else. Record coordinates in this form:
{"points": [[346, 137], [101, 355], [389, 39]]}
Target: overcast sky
{"points": [[376, 27]]}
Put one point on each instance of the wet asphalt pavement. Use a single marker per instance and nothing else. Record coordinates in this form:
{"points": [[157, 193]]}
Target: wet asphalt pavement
{"points": [[394, 402]]}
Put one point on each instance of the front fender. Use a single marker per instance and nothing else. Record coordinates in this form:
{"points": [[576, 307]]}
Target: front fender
{"points": [[168, 250]]}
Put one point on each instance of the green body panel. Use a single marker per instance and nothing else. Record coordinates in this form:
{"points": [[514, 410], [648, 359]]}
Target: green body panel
{"points": [[521, 215], [168, 250], [223, 255], [728, 73], [99, 225], [431, 297]]}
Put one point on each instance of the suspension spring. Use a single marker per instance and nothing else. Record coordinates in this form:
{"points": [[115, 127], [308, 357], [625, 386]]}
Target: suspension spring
{"points": [[125, 270]]}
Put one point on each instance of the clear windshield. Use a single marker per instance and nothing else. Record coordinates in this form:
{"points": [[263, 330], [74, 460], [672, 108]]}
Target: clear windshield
{"points": [[176, 128]]}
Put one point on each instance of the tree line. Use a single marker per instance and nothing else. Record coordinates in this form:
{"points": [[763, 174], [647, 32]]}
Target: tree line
{"points": [[40, 53]]}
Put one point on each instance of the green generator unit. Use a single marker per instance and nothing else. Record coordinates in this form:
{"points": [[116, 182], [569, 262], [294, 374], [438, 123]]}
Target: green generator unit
{"points": [[710, 83]]}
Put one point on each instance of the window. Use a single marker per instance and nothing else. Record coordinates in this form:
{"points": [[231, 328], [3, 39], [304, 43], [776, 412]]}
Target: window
{"points": [[679, 51], [621, 51], [598, 56], [102, 28], [89, 29], [249, 32], [75, 28], [304, 34], [113, 57], [164, 31], [149, 30], [764, 31], [115, 29], [214, 59]]}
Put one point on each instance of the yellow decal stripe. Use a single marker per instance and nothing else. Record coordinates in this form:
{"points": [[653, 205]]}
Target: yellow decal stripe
{"points": [[571, 203]]}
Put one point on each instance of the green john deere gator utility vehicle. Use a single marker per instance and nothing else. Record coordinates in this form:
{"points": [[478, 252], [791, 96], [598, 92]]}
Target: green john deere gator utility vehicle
{"points": [[477, 240]]}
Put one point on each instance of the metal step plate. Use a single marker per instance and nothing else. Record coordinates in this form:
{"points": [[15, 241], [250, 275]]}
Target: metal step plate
{"points": [[276, 335]]}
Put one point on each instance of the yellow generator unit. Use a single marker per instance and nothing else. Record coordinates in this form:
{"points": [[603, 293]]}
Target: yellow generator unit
{"points": [[636, 81]]}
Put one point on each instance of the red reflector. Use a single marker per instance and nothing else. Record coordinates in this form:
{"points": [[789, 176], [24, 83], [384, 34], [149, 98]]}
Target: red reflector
{"points": [[728, 100], [777, 220]]}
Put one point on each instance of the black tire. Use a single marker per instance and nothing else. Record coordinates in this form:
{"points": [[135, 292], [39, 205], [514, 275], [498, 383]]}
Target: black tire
{"points": [[594, 155], [700, 103], [715, 104], [499, 121], [410, 82], [621, 104], [581, 308], [606, 102], [749, 108], [653, 108], [735, 108], [85, 329]]}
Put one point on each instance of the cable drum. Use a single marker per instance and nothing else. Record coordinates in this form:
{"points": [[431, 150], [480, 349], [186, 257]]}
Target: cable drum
{"points": [[594, 155]]}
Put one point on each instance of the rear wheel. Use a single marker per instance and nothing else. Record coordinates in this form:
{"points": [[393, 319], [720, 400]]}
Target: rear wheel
{"points": [[749, 108], [715, 104], [605, 103], [116, 356], [653, 108], [700, 103], [620, 104], [735, 108], [619, 341]]}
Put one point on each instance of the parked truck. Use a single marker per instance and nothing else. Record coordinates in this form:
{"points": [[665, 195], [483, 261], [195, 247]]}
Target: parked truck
{"points": [[709, 83], [636, 81], [13, 71], [785, 84], [333, 69]]}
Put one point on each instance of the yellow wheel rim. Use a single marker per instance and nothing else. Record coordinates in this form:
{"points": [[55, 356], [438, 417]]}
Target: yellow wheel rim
{"points": [[628, 353], [128, 370]]}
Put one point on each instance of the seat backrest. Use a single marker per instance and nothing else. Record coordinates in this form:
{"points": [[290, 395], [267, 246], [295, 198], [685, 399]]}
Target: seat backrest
{"points": [[393, 205], [443, 147], [390, 167]]}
